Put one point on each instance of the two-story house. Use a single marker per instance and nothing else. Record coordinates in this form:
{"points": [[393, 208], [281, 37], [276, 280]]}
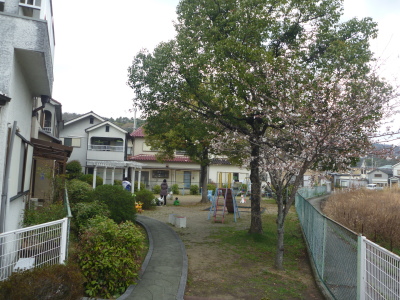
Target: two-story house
{"points": [[26, 79], [380, 176], [181, 169], [49, 155], [100, 146]]}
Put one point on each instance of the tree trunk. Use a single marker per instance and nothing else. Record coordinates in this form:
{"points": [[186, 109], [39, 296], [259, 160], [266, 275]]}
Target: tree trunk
{"points": [[256, 223], [203, 182], [204, 175], [280, 222]]}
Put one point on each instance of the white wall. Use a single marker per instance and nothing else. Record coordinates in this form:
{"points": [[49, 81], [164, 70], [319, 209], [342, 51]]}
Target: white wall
{"points": [[18, 109], [104, 155], [215, 169], [77, 130]]}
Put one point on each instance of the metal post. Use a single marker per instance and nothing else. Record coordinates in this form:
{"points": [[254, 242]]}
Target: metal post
{"points": [[361, 257], [63, 242], [323, 247]]}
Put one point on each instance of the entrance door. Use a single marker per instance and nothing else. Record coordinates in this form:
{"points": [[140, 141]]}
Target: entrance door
{"points": [[187, 176]]}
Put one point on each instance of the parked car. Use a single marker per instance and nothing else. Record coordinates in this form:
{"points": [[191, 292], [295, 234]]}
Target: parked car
{"points": [[371, 186]]}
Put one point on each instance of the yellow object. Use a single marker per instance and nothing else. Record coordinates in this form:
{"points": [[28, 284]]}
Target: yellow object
{"points": [[138, 206]]}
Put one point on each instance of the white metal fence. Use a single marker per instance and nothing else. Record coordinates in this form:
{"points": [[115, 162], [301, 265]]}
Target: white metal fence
{"points": [[348, 265], [34, 246]]}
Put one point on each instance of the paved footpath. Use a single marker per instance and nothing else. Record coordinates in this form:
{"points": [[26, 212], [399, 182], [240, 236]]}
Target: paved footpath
{"points": [[164, 272]]}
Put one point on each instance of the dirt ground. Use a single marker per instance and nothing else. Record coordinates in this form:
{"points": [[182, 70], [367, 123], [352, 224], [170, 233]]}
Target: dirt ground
{"points": [[219, 273]]}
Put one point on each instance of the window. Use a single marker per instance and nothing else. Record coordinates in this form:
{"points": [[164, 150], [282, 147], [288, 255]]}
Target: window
{"points": [[107, 128], [30, 8], [20, 166], [398, 172], [160, 174], [91, 120], [180, 152], [72, 142], [378, 175], [1, 5]]}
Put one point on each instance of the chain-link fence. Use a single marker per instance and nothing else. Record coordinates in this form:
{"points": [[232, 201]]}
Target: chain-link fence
{"points": [[348, 265], [333, 248]]}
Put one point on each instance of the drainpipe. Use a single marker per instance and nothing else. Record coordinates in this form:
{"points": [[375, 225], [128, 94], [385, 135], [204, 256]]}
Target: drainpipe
{"points": [[45, 99], [4, 195]]}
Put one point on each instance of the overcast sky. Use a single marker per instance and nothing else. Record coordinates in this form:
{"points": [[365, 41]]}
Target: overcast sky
{"points": [[96, 41]]}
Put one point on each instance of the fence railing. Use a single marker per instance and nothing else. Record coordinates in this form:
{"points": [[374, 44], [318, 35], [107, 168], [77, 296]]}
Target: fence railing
{"points": [[34, 246], [348, 265], [39, 245]]}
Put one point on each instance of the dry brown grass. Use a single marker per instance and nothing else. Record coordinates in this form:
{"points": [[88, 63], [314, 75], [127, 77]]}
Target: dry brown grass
{"points": [[375, 214]]}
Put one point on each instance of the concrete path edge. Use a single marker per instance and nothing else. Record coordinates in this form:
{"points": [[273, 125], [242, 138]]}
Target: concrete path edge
{"points": [[183, 280]]}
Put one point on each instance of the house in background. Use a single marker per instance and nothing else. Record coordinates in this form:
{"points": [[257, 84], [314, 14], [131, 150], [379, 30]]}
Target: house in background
{"points": [[394, 180], [100, 146], [380, 176], [181, 169], [355, 178], [26, 80], [49, 155], [315, 178]]}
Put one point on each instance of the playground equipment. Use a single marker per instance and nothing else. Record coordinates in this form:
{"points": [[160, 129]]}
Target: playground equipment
{"points": [[224, 201]]}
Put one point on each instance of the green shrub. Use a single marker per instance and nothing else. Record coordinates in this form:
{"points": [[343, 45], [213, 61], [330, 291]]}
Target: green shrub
{"points": [[44, 214], [211, 187], [109, 256], [74, 169], [146, 197], [194, 189], [142, 186], [120, 202], [157, 189], [88, 178], [78, 191], [82, 212], [117, 182], [175, 189], [57, 282]]}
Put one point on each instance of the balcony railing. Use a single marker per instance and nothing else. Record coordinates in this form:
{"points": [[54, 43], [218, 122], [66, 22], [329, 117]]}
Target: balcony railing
{"points": [[47, 129], [106, 148]]}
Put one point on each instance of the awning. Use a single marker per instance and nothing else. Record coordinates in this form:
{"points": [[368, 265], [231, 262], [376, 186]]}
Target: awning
{"points": [[50, 150], [113, 164]]}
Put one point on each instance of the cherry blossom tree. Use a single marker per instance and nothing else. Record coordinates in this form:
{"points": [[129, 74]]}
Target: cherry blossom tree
{"points": [[292, 87]]}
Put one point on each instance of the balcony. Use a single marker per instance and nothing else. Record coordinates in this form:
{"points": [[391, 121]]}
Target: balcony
{"points": [[106, 148], [47, 129], [41, 10], [29, 26]]}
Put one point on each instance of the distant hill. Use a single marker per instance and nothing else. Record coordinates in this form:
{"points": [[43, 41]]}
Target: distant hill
{"points": [[123, 122], [69, 116], [376, 161]]}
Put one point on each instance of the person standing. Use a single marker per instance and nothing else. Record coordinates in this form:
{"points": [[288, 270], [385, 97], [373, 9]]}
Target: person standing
{"points": [[164, 191], [126, 184]]}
